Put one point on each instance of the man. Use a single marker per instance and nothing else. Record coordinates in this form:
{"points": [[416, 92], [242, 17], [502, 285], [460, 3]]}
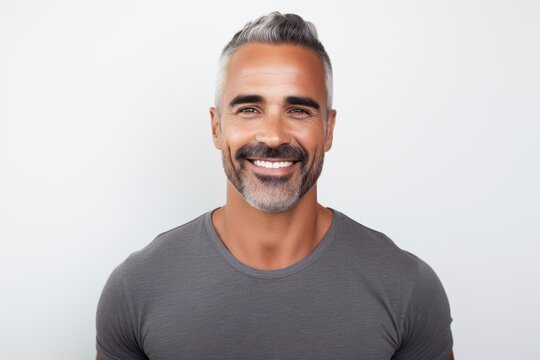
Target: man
{"points": [[273, 274]]}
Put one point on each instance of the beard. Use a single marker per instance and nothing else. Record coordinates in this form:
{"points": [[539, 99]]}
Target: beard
{"points": [[272, 193]]}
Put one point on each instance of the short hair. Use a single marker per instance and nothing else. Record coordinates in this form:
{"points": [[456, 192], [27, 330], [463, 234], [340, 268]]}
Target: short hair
{"points": [[276, 28]]}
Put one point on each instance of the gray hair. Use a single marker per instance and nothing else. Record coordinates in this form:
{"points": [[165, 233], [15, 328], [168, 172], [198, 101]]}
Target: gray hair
{"points": [[275, 28]]}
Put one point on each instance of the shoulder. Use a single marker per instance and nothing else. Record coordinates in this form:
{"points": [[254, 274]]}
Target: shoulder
{"points": [[373, 248], [169, 253], [121, 314], [406, 284], [377, 260], [185, 240]]}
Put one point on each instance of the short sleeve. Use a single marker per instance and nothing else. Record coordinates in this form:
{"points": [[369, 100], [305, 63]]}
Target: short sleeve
{"points": [[116, 329], [426, 327]]}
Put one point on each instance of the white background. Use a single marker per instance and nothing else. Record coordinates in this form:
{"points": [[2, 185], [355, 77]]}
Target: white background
{"points": [[105, 143]]}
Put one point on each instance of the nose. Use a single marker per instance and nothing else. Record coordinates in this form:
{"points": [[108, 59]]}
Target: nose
{"points": [[273, 131]]}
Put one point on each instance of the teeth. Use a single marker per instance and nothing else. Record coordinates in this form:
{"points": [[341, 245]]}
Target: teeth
{"points": [[272, 164]]}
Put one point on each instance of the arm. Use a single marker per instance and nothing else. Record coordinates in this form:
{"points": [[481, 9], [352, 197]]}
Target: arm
{"points": [[116, 321], [426, 332]]}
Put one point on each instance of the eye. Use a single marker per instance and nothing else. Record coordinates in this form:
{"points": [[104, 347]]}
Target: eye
{"points": [[247, 110], [299, 111]]}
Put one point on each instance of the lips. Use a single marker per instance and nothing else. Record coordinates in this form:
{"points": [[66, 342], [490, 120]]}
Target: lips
{"points": [[278, 161]]}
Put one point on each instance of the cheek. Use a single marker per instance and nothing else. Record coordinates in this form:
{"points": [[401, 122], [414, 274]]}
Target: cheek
{"points": [[311, 138], [236, 137], [312, 129]]}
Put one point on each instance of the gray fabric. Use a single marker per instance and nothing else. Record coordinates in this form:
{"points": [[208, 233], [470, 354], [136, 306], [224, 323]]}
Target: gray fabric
{"points": [[356, 296]]}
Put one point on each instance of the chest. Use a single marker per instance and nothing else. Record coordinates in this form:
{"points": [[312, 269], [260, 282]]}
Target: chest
{"points": [[230, 317]]}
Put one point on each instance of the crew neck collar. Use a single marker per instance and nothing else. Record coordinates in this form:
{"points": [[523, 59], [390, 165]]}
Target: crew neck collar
{"points": [[270, 274]]}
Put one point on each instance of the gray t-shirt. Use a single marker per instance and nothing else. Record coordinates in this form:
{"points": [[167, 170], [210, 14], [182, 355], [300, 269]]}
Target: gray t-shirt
{"points": [[355, 296]]}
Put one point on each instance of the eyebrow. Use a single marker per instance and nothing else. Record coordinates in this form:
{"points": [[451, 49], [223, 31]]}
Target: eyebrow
{"points": [[291, 100], [243, 99], [305, 101]]}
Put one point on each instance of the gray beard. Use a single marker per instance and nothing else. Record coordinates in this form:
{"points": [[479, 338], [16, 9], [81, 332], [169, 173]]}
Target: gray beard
{"points": [[267, 195]]}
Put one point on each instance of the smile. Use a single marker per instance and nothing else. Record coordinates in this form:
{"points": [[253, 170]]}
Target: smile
{"points": [[272, 164]]}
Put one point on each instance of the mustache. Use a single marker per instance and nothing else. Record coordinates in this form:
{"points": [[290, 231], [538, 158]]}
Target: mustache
{"points": [[283, 151]]}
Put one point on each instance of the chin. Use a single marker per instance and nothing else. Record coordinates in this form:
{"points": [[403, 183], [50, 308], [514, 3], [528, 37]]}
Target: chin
{"points": [[272, 207]]}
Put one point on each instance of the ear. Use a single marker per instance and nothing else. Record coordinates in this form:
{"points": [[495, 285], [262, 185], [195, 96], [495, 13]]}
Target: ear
{"points": [[330, 130], [217, 137]]}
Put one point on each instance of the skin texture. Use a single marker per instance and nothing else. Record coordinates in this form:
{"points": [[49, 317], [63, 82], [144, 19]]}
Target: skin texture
{"points": [[274, 73], [251, 225]]}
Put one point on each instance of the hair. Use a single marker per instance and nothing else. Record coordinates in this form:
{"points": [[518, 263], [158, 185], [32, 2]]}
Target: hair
{"points": [[275, 28]]}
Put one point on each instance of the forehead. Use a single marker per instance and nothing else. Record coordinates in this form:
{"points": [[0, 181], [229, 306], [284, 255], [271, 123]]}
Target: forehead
{"points": [[274, 70]]}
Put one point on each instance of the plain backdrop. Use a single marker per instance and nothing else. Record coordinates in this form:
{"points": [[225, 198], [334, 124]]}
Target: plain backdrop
{"points": [[105, 143]]}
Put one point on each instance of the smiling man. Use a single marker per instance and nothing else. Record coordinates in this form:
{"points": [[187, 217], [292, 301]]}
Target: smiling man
{"points": [[273, 274]]}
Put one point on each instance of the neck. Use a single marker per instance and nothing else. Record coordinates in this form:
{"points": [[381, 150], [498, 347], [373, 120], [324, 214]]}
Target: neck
{"points": [[271, 241]]}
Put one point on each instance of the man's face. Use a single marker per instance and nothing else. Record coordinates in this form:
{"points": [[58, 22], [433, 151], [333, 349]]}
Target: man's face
{"points": [[273, 129]]}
